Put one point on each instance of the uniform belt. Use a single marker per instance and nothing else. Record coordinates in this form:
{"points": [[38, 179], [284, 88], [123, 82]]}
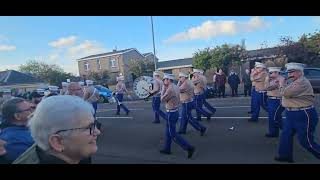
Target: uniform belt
{"points": [[299, 109], [187, 101], [273, 97], [197, 94], [261, 91], [172, 110]]}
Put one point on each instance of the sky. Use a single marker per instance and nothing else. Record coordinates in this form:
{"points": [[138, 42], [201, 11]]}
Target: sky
{"points": [[62, 40]]}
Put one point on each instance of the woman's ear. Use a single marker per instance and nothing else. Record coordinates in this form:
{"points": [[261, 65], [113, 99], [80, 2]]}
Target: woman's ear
{"points": [[56, 142]]}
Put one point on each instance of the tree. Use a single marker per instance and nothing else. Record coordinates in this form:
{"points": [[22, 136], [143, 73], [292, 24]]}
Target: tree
{"points": [[49, 73], [306, 50], [141, 67], [219, 57]]}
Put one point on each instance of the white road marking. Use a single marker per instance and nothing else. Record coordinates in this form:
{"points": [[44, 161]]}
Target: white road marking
{"points": [[106, 110], [232, 107], [114, 117]]}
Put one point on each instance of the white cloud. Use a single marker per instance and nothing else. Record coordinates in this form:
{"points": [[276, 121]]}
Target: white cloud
{"points": [[63, 42], [209, 29], [7, 48], [85, 48], [4, 67]]}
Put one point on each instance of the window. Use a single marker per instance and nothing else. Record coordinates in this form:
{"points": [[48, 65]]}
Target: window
{"points": [[168, 71], [86, 66], [113, 63], [98, 64]]}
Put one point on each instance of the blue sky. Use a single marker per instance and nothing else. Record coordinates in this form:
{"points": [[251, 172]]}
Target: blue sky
{"points": [[61, 40]]}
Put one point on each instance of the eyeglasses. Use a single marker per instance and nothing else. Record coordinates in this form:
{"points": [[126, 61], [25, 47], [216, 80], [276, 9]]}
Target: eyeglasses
{"points": [[79, 89], [20, 111], [91, 128]]}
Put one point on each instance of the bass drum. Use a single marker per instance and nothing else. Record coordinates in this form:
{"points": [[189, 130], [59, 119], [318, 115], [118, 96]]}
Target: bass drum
{"points": [[142, 85]]}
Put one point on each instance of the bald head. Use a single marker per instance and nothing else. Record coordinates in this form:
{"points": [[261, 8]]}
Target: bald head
{"points": [[75, 89]]}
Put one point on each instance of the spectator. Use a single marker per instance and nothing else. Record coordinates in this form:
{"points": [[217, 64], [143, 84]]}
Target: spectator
{"points": [[234, 82], [14, 129], [91, 94], [75, 89], [221, 81], [64, 131], [35, 98], [247, 83]]}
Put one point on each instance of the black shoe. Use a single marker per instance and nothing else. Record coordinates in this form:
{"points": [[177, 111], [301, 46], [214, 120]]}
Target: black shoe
{"points": [[252, 120], [165, 152], [209, 118], [156, 122], [249, 112], [127, 113], [280, 159], [271, 136], [190, 152], [203, 131], [181, 132]]}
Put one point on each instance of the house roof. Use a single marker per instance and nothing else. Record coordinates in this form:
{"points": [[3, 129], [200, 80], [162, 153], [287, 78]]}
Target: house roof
{"points": [[175, 63], [12, 77], [267, 52], [147, 54], [107, 54]]}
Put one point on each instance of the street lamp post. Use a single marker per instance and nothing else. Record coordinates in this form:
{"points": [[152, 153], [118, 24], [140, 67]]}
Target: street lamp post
{"points": [[154, 49]]}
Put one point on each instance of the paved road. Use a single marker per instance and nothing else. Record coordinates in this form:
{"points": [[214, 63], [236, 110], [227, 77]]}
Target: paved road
{"points": [[134, 139]]}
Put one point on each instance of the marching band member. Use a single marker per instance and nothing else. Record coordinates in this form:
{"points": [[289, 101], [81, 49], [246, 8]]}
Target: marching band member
{"points": [[274, 101], [301, 115], [171, 98]]}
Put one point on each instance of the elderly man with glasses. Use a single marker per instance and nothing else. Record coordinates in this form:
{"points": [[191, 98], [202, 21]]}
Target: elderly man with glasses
{"points": [[64, 130], [14, 129]]}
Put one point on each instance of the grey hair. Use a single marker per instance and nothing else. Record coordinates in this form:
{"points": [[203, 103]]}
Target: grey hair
{"points": [[56, 113]]}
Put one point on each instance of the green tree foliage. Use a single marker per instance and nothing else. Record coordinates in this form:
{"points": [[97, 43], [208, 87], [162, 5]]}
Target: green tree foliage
{"points": [[49, 73], [218, 57], [141, 67]]}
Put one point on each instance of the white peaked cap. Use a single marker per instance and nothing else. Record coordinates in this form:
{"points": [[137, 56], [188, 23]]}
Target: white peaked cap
{"points": [[197, 71], [181, 74], [120, 78], [156, 73], [274, 69], [169, 76], [89, 82], [65, 84], [260, 65], [295, 66]]}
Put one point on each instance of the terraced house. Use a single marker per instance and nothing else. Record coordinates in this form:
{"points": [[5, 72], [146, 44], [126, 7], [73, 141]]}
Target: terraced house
{"points": [[115, 62]]}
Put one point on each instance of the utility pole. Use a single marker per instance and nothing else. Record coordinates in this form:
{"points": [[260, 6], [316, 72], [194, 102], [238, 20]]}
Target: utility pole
{"points": [[154, 48]]}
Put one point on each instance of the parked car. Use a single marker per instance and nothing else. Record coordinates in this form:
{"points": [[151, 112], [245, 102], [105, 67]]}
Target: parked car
{"points": [[313, 75], [104, 93]]}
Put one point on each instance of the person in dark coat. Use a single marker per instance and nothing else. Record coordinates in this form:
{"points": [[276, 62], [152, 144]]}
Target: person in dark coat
{"points": [[247, 83], [234, 81], [221, 80]]}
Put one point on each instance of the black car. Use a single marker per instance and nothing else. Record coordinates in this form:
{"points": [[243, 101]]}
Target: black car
{"points": [[313, 75]]}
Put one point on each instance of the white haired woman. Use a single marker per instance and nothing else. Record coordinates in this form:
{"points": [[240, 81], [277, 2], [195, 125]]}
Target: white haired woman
{"points": [[64, 131]]}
